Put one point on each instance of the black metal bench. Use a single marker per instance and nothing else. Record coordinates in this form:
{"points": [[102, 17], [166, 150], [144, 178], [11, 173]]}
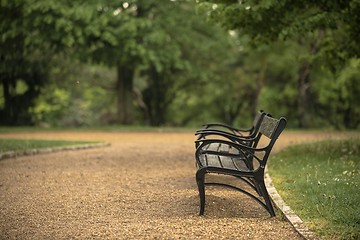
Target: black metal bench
{"points": [[244, 159]]}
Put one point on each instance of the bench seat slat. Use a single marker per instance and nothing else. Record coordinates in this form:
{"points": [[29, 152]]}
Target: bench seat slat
{"points": [[210, 160], [221, 148]]}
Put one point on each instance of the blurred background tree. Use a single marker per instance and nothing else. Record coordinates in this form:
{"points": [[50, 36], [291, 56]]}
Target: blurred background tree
{"points": [[326, 33], [32, 34], [162, 63]]}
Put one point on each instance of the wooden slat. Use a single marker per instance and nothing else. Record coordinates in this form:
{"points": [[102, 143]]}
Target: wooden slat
{"points": [[268, 126], [228, 163], [203, 159], [212, 147], [233, 150], [223, 148], [240, 164], [213, 160]]}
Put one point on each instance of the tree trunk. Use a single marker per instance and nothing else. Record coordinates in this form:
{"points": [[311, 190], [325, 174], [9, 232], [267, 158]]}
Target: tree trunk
{"points": [[303, 94], [124, 87], [259, 86], [304, 84], [6, 112], [16, 106], [155, 97]]}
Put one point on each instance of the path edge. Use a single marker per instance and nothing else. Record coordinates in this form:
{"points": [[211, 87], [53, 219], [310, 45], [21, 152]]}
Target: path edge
{"points": [[289, 214], [36, 151]]}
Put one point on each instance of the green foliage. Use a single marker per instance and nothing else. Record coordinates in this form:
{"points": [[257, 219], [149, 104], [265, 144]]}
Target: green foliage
{"points": [[78, 95], [32, 32], [49, 106], [320, 182], [279, 94], [142, 36], [177, 48], [59, 61], [320, 35], [339, 100], [266, 21]]}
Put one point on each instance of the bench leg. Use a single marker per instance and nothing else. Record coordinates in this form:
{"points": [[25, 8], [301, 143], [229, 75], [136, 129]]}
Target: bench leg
{"points": [[265, 195], [200, 180], [258, 189]]}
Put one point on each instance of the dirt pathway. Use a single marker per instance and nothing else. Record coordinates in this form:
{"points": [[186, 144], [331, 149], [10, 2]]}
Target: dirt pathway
{"points": [[141, 187]]}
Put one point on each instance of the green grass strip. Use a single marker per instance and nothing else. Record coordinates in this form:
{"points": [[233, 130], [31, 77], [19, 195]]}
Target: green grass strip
{"points": [[321, 183], [21, 144]]}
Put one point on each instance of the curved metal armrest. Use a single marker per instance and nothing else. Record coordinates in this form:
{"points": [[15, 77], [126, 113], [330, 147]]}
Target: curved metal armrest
{"points": [[230, 136], [205, 132], [233, 129], [238, 146]]}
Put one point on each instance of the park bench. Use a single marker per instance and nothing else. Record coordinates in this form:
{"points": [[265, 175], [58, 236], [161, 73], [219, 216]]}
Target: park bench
{"points": [[244, 159], [230, 132]]}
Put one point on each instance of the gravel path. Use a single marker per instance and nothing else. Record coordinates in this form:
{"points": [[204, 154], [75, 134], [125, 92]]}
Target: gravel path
{"points": [[141, 187]]}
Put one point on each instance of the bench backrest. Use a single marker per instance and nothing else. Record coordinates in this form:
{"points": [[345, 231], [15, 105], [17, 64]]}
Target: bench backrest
{"points": [[257, 122], [269, 131], [272, 127]]}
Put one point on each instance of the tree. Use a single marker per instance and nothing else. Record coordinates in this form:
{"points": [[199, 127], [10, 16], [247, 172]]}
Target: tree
{"points": [[266, 21], [182, 47], [15, 67], [329, 31], [33, 32], [159, 50], [159, 43], [342, 91], [118, 44]]}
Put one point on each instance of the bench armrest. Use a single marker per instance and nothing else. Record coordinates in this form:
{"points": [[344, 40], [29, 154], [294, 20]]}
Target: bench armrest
{"points": [[206, 132], [231, 128], [230, 136], [239, 146]]}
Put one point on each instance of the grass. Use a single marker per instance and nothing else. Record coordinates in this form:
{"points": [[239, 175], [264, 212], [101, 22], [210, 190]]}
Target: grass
{"points": [[18, 145], [321, 183]]}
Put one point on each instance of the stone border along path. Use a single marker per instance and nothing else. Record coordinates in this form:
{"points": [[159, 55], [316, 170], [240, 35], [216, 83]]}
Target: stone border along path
{"points": [[28, 152]]}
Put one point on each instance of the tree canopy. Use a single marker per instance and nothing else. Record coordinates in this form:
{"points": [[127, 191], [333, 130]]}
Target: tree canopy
{"points": [[337, 22], [32, 32], [163, 63], [327, 34]]}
